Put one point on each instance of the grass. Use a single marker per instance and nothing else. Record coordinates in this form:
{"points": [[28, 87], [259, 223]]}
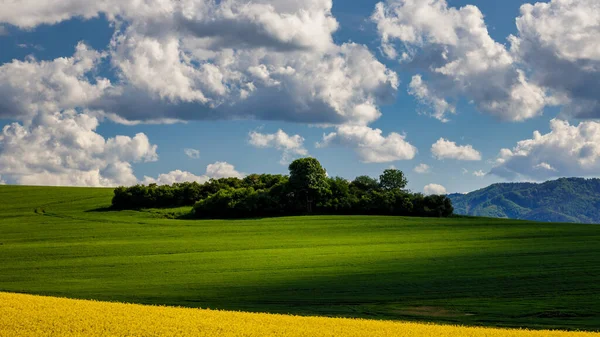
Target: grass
{"points": [[472, 271]]}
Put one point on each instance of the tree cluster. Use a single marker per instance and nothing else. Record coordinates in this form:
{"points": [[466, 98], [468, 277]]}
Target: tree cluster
{"points": [[307, 190], [185, 194]]}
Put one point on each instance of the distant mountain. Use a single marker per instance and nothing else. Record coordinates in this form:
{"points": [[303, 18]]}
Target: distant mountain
{"points": [[562, 200]]}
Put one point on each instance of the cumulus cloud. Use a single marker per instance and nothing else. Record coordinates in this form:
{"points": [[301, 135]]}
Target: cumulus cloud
{"points": [[277, 23], [223, 170], [567, 150], [31, 13], [560, 42], [176, 60], [213, 171], [192, 153], [459, 57], [445, 149], [2, 181], [30, 87], [3, 31], [290, 145], [341, 85], [196, 59], [422, 169], [370, 144], [64, 149], [173, 177], [435, 189]]}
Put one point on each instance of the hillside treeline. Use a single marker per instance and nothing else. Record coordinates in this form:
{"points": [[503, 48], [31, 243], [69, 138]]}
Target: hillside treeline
{"points": [[306, 190]]}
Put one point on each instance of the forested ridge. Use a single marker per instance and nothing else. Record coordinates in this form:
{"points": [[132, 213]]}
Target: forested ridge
{"points": [[306, 190], [563, 200]]}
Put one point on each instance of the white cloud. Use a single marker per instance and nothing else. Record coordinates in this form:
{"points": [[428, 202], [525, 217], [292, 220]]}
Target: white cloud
{"points": [[64, 149], [370, 144], [192, 153], [291, 146], [479, 174], [422, 169], [31, 13], [173, 177], [216, 171], [439, 105], [460, 57], [560, 42], [3, 31], [223, 170], [193, 59], [2, 181], [340, 85], [435, 189], [30, 87], [465, 171], [277, 23], [567, 150], [445, 149]]}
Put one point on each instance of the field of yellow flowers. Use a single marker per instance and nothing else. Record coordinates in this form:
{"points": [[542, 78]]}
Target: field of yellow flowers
{"points": [[27, 315]]}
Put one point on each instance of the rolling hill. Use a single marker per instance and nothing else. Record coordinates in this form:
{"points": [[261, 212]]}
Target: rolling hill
{"points": [[65, 242], [564, 200]]}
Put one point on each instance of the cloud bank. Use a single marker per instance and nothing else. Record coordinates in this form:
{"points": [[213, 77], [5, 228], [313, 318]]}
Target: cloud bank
{"points": [[553, 59], [567, 150], [64, 149]]}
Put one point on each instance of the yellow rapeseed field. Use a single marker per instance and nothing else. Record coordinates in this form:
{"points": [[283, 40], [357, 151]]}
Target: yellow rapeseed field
{"points": [[26, 315]]}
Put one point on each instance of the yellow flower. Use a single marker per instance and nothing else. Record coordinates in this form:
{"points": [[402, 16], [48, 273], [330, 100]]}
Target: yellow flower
{"points": [[27, 315]]}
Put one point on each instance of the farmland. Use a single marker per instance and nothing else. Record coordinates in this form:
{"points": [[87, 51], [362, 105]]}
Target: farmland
{"points": [[27, 315], [471, 271]]}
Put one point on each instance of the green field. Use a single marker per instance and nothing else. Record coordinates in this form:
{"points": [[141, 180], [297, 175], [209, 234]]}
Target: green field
{"points": [[474, 271]]}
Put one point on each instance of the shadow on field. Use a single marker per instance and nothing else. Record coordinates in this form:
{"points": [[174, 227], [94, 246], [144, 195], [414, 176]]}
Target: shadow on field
{"points": [[102, 210], [476, 290]]}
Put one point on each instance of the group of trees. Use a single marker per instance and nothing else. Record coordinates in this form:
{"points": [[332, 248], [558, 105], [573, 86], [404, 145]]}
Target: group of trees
{"points": [[307, 190], [185, 194]]}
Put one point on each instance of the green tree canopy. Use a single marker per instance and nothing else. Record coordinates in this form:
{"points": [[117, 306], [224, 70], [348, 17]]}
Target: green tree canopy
{"points": [[365, 183], [392, 179], [306, 190], [308, 180]]}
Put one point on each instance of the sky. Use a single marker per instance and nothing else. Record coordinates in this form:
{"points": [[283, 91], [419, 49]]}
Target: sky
{"points": [[457, 94]]}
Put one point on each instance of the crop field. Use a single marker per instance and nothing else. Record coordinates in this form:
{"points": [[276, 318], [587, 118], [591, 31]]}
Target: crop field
{"points": [[470, 271], [27, 315]]}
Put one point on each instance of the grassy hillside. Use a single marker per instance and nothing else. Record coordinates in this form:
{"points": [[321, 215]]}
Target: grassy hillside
{"points": [[61, 241], [564, 200], [27, 315]]}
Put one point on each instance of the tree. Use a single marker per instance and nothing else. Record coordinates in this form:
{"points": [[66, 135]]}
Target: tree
{"points": [[365, 183], [308, 180], [340, 200], [392, 179]]}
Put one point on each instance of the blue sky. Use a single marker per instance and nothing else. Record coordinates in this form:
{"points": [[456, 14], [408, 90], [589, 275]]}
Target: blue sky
{"points": [[479, 120]]}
